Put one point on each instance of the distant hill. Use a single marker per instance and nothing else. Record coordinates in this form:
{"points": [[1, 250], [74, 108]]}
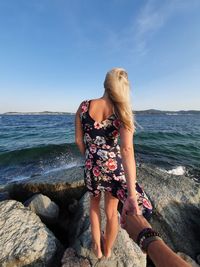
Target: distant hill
{"points": [[166, 112], [142, 112], [38, 113]]}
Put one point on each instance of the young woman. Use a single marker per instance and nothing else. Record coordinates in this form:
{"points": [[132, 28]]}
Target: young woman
{"points": [[109, 167]]}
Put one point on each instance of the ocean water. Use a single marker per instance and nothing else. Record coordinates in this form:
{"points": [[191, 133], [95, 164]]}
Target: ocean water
{"points": [[37, 144]]}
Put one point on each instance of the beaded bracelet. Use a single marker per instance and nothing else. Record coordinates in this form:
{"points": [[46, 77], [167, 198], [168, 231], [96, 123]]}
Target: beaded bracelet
{"points": [[147, 242], [145, 237], [145, 230]]}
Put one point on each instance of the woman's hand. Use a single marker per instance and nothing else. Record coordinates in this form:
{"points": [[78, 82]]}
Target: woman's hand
{"points": [[135, 224], [130, 207]]}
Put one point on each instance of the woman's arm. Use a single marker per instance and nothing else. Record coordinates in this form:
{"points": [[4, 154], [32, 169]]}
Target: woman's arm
{"points": [[79, 131], [128, 159]]}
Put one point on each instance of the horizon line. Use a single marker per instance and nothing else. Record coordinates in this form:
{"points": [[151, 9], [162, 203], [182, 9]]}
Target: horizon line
{"points": [[142, 110]]}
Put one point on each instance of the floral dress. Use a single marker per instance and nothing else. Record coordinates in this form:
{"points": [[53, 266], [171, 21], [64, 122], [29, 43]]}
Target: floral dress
{"points": [[103, 169]]}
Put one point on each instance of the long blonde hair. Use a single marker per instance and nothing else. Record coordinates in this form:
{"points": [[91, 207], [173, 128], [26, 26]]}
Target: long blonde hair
{"points": [[117, 87]]}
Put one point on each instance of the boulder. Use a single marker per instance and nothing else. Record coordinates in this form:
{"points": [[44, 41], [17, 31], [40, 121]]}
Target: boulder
{"points": [[176, 202], [24, 239], [60, 186], [70, 259], [188, 259], [125, 252], [46, 209]]}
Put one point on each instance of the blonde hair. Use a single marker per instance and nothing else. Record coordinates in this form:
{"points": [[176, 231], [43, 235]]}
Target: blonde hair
{"points": [[117, 87]]}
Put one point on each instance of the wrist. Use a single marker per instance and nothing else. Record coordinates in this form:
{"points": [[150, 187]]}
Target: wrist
{"points": [[131, 193], [146, 237]]}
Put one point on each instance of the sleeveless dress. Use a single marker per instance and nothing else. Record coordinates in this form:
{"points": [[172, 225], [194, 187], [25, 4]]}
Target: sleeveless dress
{"points": [[103, 169]]}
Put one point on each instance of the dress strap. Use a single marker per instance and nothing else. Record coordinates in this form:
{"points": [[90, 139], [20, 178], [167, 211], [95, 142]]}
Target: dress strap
{"points": [[84, 107]]}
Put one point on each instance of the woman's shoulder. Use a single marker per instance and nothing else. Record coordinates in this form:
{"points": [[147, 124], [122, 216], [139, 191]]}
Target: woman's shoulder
{"points": [[84, 102], [84, 106]]}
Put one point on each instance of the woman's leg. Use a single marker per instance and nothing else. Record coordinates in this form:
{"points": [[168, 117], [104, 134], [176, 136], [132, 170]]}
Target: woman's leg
{"points": [[111, 204], [95, 219]]}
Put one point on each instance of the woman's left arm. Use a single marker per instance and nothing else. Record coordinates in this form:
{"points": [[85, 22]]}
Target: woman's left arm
{"points": [[79, 132]]}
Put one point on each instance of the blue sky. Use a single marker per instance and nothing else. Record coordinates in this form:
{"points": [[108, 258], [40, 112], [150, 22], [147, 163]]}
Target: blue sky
{"points": [[55, 53]]}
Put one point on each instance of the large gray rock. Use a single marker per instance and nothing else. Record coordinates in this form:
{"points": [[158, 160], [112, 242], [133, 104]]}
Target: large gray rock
{"points": [[60, 186], [46, 209], [188, 259], [70, 259], [176, 201], [125, 252], [24, 239]]}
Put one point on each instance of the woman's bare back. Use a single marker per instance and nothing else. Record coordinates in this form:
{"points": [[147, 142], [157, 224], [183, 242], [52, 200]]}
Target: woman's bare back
{"points": [[100, 109]]}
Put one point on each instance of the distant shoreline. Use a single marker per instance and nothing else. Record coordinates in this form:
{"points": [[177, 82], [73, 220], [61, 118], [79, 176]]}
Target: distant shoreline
{"points": [[143, 112]]}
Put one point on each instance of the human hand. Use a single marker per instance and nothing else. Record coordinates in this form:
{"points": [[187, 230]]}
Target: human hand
{"points": [[134, 224], [131, 207]]}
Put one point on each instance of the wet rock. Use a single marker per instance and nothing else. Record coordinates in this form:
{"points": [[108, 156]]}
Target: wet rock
{"points": [[46, 209], [60, 186], [24, 239], [176, 201]]}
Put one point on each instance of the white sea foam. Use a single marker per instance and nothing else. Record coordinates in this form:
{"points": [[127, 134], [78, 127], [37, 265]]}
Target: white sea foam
{"points": [[50, 170], [172, 114], [179, 170], [19, 178], [63, 167], [140, 126]]}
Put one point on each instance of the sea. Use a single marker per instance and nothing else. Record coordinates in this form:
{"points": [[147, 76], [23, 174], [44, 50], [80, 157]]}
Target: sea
{"points": [[39, 144]]}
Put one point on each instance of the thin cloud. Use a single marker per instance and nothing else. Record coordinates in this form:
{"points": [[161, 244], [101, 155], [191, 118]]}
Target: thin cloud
{"points": [[153, 16]]}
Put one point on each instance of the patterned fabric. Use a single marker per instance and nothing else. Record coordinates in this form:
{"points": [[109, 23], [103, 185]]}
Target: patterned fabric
{"points": [[103, 169]]}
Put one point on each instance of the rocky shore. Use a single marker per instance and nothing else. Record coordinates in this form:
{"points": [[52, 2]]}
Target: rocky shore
{"points": [[45, 220]]}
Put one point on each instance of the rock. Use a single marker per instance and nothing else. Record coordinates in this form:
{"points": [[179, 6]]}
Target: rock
{"points": [[73, 206], [60, 186], [24, 239], [46, 209], [176, 202], [125, 252], [188, 259], [70, 259], [198, 258]]}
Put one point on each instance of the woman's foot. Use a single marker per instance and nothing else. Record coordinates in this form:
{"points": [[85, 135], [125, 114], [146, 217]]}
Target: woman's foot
{"points": [[106, 251], [97, 251]]}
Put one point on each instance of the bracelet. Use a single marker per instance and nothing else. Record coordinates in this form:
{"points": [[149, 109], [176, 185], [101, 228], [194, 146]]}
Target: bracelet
{"points": [[145, 230], [145, 237], [148, 241]]}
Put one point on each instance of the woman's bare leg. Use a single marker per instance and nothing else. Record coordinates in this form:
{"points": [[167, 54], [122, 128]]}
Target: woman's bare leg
{"points": [[95, 219], [111, 204]]}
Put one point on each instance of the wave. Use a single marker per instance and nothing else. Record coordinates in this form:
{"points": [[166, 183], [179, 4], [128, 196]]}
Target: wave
{"points": [[46, 171], [178, 170], [37, 153], [163, 135], [64, 167]]}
